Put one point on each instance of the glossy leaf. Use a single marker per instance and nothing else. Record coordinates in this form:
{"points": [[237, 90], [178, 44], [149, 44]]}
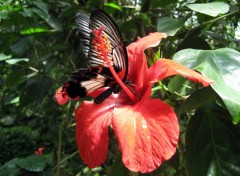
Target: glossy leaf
{"points": [[169, 25], [222, 66], [212, 143], [211, 9]]}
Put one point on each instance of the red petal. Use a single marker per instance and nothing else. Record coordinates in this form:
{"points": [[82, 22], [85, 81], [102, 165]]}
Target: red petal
{"points": [[39, 151], [92, 121], [166, 67], [147, 134], [62, 97], [137, 62]]}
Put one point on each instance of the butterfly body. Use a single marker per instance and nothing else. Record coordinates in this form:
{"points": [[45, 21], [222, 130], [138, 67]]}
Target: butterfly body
{"points": [[103, 47]]}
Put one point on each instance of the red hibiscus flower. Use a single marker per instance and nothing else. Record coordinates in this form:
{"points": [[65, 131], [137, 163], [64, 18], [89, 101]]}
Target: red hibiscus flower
{"points": [[146, 129], [39, 151]]}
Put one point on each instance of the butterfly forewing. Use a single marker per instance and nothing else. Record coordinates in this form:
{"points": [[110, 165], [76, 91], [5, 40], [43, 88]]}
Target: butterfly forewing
{"points": [[82, 21], [118, 53]]}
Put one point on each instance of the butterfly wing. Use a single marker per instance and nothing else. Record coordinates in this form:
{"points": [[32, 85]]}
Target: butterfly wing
{"points": [[85, 81], [82, 21], [118, 53]]}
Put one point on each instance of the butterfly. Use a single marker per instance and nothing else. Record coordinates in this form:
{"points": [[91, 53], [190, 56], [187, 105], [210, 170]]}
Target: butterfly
{"points": [[98, 75]]}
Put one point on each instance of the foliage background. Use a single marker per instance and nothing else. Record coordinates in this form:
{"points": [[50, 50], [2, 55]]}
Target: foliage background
{"points": [[39, 48]]}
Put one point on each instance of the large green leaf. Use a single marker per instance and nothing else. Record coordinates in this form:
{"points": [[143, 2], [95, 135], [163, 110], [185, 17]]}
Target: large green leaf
{"points": [[212, 143], [222, 66], [211, 9], [10, 168], [169, 25], [35, 163]]}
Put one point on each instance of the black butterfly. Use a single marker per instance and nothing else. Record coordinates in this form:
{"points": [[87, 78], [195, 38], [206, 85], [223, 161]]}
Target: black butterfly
{"points": [[86, 80]]}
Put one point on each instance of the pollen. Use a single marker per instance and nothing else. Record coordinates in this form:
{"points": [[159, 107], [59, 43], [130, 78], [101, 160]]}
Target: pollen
{"points": [[102, 45]]}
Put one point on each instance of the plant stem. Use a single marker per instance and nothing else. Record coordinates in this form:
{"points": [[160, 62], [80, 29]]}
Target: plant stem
{"points": [[219, 18], [59, 151], [68, 157]]}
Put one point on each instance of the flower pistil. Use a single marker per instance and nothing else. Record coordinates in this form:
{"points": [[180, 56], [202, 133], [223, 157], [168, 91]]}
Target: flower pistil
{"points": [[103, 47]]}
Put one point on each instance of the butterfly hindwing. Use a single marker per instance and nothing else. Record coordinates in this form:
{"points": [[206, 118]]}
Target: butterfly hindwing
{"points": [[84, 81]]}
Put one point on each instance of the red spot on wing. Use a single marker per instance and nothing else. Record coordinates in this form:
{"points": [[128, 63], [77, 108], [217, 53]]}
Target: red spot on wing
{"points": [[62, 96]]}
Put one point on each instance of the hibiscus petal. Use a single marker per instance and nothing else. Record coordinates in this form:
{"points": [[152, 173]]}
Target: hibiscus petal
{"points": [[137, 62], [147, 134], [92, 121], [166, 67]]}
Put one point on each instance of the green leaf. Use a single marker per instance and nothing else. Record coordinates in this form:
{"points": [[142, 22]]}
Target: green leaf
{"points": [[169, 25], [15, 78], [41, 5], [212, 143], [10, 168], [36, 90], [34, 163], [222, 66], [114, 6], [16, 60], [180, 85], [197, 99], [52, 21], [212, 9], [22, 45], [32, 30], [3, 15], [40, 13], [4, 57]]}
